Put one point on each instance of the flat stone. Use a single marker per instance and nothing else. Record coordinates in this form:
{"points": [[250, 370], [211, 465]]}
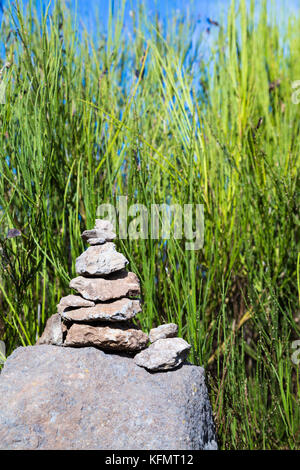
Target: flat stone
{"points": [[119, 310], [168, 330], [86, 399], [53, 332], [96, 241], [114, 337], [163, 354], [100, 260], [103, 230], [94, 233], [117, 285], [73, 301]]}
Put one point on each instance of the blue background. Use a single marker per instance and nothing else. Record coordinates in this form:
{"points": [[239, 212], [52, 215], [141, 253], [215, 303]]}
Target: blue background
{"points": [[88, 10]]}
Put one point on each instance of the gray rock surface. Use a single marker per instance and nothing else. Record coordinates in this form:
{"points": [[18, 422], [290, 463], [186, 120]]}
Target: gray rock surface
{"points": [[115, 337], [96, 241], [118, 285], [163, 354], [100, 260], [169, 330], [65, 398], [53, 332], [119, 310]]}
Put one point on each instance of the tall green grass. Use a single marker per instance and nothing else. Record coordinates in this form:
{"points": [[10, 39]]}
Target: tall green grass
{"points": [[157, 118]]}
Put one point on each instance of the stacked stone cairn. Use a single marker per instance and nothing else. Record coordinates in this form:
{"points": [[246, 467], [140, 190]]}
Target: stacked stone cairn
{"points": [[101, 313]]}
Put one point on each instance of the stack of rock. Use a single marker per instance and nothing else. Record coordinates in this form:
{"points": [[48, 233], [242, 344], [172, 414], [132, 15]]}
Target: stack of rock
{"points": [[107, 300]]}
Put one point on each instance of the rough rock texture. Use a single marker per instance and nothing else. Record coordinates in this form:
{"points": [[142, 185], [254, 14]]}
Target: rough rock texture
{"points": [[65, 398], [96, 241], [73, 301], [119, 310], [104, 225], [103, 231], [100, 260], [97, 235], [163, 354], [116, 337], [169, 330], [53, 332], [118, 285]]}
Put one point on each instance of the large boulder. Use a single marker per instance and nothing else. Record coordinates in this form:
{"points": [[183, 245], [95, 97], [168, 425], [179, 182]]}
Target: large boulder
{"points": [[68, 398]]}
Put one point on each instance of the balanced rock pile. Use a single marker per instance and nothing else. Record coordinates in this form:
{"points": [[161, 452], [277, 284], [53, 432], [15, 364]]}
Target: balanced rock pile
{"points": [[107, 300], [70, 392]]}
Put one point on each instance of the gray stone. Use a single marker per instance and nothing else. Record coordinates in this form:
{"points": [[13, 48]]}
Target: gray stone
{"points": [[104, 225], [53, 332], [103, 230], [73, 301], [117, 285], [168, 330], [67, 398], [163, 354], [100, 260], [116, 337], [96, 241], [119, 310]]}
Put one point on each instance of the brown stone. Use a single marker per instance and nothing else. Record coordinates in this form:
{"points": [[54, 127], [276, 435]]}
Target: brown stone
{"points": [[100, 260], [53, 332], [120, 310], [116, 337], [73, 301], [117, 285]]}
